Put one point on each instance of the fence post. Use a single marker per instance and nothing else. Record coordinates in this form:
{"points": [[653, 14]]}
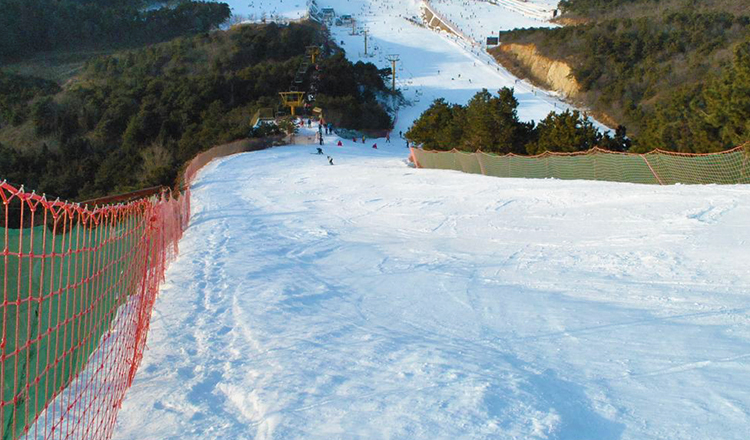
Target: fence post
{"points": [[414, 157], [481, 165], [658, 179]]}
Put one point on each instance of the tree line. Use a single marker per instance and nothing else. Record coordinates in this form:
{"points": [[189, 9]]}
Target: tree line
{"points": [[31, 26], [490, 123]]}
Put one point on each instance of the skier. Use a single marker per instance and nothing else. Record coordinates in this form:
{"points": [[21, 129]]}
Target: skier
{"points": [[375, 146], [321, 140], [340, 144], [320, 150], [330, 160], [387, 138], [363, 139]]}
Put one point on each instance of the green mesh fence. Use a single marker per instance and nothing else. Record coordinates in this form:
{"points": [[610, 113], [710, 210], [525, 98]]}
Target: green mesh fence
{"points": [[48, 340], [657, 167]]}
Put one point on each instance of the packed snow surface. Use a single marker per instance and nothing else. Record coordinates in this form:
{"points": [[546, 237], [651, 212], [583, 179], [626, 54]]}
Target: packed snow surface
{"points": [[371, 300]]}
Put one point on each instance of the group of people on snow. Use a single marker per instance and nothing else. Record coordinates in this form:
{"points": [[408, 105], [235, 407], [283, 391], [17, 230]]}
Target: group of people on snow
{"points": [[329, 130]]}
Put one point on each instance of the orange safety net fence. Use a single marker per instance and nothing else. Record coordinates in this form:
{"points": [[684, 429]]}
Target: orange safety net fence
{"points": [[657, 167], [78, 285]]}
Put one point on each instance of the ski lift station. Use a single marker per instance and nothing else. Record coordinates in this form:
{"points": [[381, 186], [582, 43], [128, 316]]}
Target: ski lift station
{"points": [[328, 13]]}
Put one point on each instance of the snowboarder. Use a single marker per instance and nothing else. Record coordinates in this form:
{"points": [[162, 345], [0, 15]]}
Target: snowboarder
{"points": [[340, 144], [320, 150], [330, 160], [375, 146]]}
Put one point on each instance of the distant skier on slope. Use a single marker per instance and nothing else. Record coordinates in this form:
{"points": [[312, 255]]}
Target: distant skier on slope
{"points": [[320, 150], [330, 160]]}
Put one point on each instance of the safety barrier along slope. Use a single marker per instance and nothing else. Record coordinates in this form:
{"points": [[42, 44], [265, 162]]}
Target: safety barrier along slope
{"points": [[656, 167], [78, 285]]}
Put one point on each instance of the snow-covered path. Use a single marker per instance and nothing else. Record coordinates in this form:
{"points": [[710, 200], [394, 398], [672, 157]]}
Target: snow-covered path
{"points": [[370, 300]]}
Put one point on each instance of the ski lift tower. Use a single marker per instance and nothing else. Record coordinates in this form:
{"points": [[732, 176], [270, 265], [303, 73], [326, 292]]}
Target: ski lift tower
{"points": [[365, 31], [393, 59], [313, 52], [292, 100]]}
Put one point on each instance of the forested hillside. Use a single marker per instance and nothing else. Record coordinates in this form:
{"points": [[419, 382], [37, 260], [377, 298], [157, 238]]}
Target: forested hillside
{"points": [[130, 120], [676, 73], [31, 26]]}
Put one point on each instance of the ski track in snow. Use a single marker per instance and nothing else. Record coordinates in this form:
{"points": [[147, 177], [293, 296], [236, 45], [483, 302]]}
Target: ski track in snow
{"points": [[370, 300]]}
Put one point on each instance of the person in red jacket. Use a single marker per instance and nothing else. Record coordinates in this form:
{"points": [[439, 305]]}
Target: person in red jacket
{"points": [[375, 146]]}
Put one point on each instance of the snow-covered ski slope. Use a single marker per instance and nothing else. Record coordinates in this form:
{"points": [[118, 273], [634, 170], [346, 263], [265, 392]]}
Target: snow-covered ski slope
{"points": [[436, 65], [256, 10], [371, 300], [431, 65], [480, 19]]}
